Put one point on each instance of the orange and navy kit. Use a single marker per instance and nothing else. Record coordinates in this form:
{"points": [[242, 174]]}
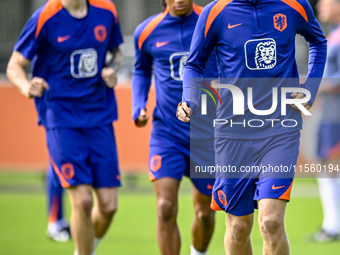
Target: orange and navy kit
{"points": [[254, 41], [78, 108], [162, 44]]}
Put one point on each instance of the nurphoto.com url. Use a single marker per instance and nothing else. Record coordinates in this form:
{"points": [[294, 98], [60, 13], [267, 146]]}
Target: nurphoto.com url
{"points": [[263, 169]]}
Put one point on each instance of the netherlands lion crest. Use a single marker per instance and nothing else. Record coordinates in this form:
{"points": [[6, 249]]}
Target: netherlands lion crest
{"points": [[177, 62], [182, 62], [84, 63], [265, 55], [280, 21], [88, 64]]}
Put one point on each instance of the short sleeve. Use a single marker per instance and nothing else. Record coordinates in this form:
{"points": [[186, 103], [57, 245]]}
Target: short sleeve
{"points": [[29, 42], [116, 37]]}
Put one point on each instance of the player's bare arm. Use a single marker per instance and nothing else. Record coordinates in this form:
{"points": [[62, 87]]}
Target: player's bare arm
{"points": [[16, 74], [299, 96], [184, 112], [113, 62], [142, 119]]}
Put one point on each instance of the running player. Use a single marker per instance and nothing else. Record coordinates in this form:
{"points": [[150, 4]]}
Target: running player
{"points": [[58, 228], [67, 42], [255, 39], [329, 131], [162, 44]]}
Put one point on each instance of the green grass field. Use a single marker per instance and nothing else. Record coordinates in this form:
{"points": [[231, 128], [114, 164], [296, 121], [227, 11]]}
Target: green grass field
{"points": [[23, 220]]}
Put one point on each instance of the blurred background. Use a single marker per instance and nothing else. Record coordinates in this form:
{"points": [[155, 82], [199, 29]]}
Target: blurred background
{"points": [[24, 159]]}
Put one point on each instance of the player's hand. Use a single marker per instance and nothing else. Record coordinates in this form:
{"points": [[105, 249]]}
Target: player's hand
{"points": [[142, 119], [35, 88], [109, 76], [184, 112], [299, 96]]}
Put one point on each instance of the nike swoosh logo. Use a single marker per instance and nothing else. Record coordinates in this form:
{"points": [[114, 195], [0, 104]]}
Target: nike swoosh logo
{"points": [[229, 26], [160, 44], [280, 187], [63, 38]]}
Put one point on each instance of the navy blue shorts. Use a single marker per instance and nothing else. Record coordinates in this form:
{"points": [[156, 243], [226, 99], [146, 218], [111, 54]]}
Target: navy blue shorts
{"points": [[329, 141], [84, 156], [263, 168], [170, 159]]}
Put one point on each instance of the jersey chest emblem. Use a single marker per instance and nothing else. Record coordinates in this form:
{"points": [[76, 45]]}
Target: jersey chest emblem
{"points": [[84, 63], [100, 33], [177, 62], [260, 54], [280, 21]]}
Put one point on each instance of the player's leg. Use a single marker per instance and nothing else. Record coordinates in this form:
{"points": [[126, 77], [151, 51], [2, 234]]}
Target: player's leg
{"points": [[277, 156], [329, 189], [273, 194], [204, 222], [58, 229], [329, 186], [167, 164], [106, 203], [69, 156], [272, 227], [235, 195], [237, 237], [168, 235], [201, 153], [81, 224], [106, 178]]}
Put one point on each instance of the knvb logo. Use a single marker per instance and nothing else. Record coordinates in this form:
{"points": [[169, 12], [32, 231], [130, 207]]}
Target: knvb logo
{"points": [[239, 99]]}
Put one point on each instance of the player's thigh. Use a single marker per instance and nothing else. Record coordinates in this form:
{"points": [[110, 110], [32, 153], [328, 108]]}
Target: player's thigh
{"points": [[68, 156], [103, 157], [272, 211], [202, 203], [106, 199], [202, 158], [81, 196], [166, 190], [167, 160], [234, 196], [233, 190], [279, 156]]}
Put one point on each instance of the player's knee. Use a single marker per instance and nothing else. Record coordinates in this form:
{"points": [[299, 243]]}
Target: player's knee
{"points": [[270, 225], [240, 230], [166, 209], [85, 204], [206, 216], [108, 210]]}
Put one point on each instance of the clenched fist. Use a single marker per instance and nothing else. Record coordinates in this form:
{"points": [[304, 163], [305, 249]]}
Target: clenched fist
{"points": [[109, 76], [35, 88]]}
